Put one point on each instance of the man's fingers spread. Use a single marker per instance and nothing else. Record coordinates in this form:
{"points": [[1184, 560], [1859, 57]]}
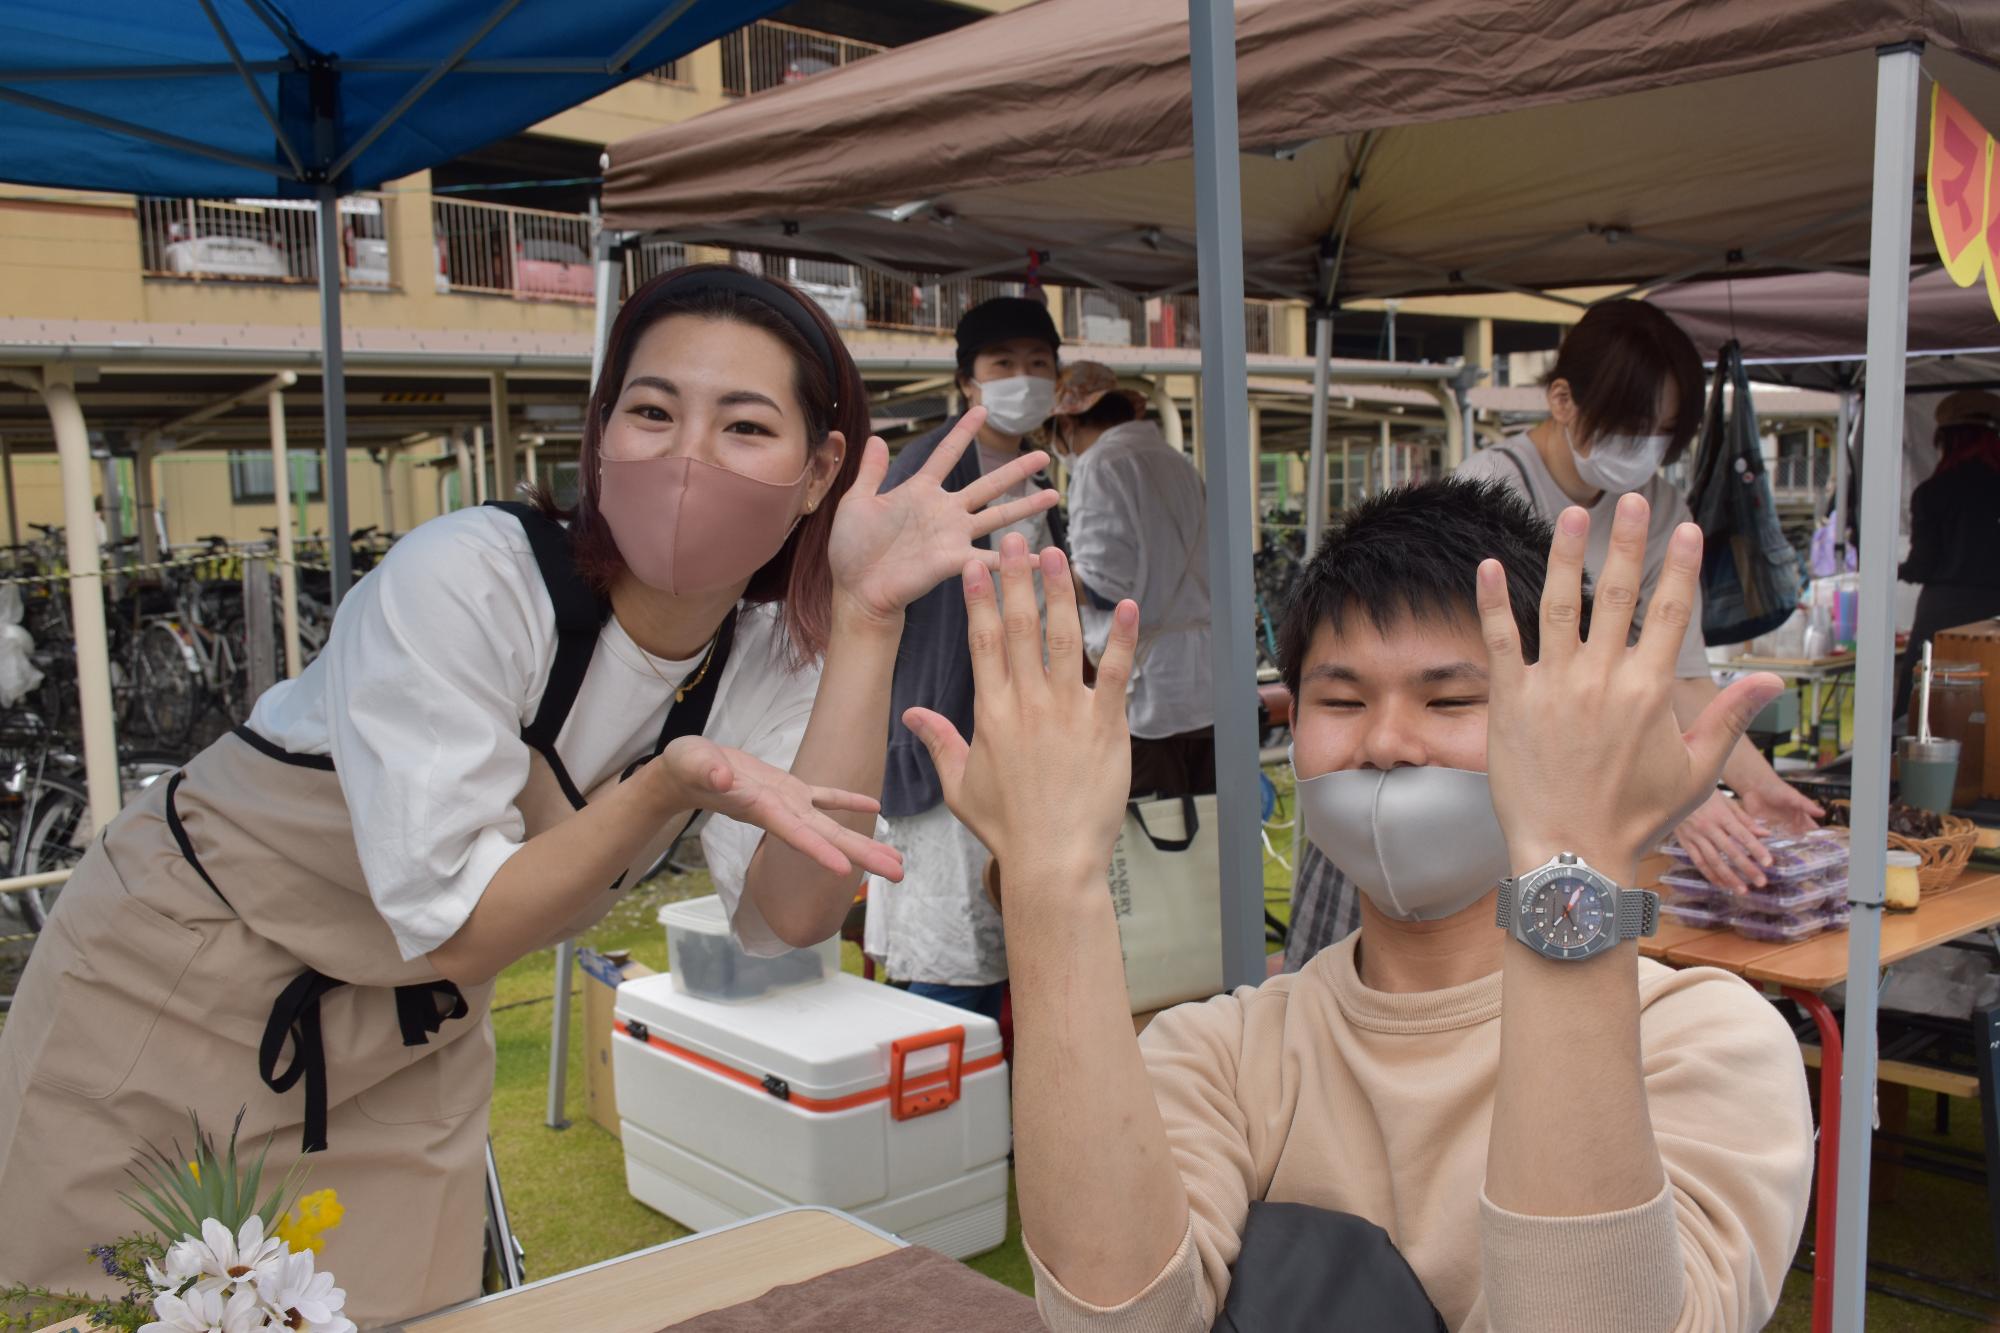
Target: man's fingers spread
{"points": [[1496, 623]]}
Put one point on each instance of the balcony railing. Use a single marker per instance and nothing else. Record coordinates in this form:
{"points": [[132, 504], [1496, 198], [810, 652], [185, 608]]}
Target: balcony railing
{"points": [[498, 250], [260, 240], [767, 54]]}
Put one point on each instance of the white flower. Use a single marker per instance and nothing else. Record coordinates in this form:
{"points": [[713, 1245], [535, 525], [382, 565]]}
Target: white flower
{"points": [[183, 1266], [301, 1299], [222, 1262], [205, 1310]]}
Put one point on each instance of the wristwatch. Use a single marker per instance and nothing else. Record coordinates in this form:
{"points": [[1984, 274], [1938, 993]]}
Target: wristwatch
{"points": [[1563, 909]]}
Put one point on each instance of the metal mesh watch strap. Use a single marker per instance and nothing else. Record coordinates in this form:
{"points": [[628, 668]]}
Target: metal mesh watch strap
{"points": [[1503, 914], [1638, 913]]}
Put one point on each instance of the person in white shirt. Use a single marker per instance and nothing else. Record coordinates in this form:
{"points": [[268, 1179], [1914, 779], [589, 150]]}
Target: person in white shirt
{"points": [[307, 920], [1138, 529]]}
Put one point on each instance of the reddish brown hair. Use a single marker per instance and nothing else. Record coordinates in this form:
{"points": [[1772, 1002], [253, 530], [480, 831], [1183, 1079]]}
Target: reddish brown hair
{"points": [[1615, 361], [831, 398]]}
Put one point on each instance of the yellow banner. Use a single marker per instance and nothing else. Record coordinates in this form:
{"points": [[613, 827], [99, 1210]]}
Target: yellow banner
{"points": [[1962, 193]]}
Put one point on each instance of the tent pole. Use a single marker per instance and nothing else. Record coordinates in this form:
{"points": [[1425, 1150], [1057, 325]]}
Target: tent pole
{"points": [[288, 569], [1225, 442], [1897, 76], [1316, 458], [333, 392], [86, 594]]}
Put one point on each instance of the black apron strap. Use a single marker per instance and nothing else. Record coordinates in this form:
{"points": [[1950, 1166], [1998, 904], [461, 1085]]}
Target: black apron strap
{"points": [[296, 1015], [185, 843], [580, 614]]}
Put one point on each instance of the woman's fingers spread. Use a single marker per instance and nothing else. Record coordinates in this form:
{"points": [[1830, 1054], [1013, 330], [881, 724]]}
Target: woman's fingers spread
{"points": [[852, 802], [952, 447], [1006, 515], [861, 850], [874, 464], [1615, 597], [992, 485], [1562, 588], [1114, 669]]}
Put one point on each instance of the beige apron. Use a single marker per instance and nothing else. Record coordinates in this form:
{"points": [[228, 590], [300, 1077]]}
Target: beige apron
{"points": [[191, 964]]}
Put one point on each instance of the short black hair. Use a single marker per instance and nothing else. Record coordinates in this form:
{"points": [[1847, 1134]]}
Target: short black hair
{"points": [[1415, 551], [1113, 409]]}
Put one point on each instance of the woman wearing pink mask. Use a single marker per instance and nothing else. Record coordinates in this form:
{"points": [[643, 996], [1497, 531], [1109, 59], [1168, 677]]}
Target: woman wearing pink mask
{"points": [[517, 712]]}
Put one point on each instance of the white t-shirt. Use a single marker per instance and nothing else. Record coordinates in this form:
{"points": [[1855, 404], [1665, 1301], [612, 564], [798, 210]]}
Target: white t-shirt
{"points": [[439, 657], [1669, 511], [1138, 528]]}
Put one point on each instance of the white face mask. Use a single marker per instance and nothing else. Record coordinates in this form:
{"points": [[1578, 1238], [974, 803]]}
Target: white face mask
{"points": [[1619, 463], [1422, 843], [1019, 403]]}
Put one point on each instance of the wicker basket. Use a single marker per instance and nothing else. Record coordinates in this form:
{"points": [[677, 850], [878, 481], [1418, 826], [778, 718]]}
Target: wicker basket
{"points": [[1944, 858]]}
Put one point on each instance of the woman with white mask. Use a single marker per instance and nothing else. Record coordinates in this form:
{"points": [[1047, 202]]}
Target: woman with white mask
{"points": [[937, 929], [1625, 399]]}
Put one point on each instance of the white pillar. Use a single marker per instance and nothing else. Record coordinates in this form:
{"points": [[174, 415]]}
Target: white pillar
{"points": [[13, 508], [388, 489], [145, 506], [534, 447], [1169, 413], [86, 594], [288, 570], [479, 465], [1391, 474], [467, 483], [503, 438]]}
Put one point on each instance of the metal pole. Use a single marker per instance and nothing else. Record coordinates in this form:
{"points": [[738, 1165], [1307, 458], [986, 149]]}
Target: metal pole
{"points": [[113, 508], [1225, 438], [288, 570], [333, 391], [609, 247], [559, 1036], [1842, 429], [1391, 474], [388, 466], [479, 464], [257, 633], [1316, 456], [146, 503], [464, 456], [1169, 413], [1897, 75], [13, 509], [86, 594]]}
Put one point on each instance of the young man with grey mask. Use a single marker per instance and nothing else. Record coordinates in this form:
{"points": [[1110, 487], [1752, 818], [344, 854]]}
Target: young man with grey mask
{"points": [[1555, 1133]]}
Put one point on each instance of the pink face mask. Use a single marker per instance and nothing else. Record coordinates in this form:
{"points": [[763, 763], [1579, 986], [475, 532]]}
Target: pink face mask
{"points": [[687, 527]]}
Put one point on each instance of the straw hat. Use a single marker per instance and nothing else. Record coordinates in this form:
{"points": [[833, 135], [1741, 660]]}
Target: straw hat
{"points": [[1083, 384]]}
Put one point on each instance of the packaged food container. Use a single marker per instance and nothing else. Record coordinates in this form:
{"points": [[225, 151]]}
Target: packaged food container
{"points": [[1687, 887], [1794, 897], [1810, 856], [1779, 929], [1702, 916], [706, 961], [1836, 913]]}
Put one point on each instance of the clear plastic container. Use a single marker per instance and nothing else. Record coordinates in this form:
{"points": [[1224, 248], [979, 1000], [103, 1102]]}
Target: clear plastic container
{"points": [[1836, 912], [706, 961], [1819, 854], [1781, 928], [1688, 888], [1794, 897], [1702, 916]]}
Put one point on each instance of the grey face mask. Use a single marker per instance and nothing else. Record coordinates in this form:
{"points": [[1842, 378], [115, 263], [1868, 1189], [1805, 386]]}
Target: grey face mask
{"points": [[1422, 843]]}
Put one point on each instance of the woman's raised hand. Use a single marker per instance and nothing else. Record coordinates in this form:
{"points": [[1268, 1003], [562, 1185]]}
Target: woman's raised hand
{"points": [[889, 548]]}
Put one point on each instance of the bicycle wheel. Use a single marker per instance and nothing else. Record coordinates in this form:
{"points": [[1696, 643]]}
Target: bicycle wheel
{"points": [[53, 832], [165, 684]]}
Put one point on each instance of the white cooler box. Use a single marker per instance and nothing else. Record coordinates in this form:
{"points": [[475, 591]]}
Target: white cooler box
{"points": [[847, 1093]]}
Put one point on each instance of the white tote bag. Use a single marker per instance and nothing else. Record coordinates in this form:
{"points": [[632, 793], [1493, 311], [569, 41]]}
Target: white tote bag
{"points": [[1166, 890]]}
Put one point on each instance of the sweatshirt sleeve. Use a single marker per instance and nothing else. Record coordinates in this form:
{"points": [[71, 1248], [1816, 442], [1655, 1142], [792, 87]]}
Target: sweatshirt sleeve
{"points": [[1194, 1054], [1726, 1093]]}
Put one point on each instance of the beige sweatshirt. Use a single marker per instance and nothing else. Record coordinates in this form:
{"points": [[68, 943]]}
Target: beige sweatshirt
{"points": [[1315, 1089]]}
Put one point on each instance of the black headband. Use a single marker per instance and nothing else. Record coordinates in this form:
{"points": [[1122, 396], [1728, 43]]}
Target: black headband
{"points": [[743, 283]]}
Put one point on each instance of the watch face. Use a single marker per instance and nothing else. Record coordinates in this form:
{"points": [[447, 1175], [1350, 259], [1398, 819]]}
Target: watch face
{"points": [[1568, 916]]}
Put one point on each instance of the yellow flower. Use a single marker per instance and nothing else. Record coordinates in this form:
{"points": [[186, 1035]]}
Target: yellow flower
{"points": [[305, 1228], [194, 1169]]}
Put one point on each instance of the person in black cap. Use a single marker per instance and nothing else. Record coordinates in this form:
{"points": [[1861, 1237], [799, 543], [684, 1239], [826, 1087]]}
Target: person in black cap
{"points": [[937, 929]]}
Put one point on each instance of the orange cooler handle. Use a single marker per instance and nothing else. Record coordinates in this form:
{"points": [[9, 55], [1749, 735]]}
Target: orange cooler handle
{"points": [[925, 1093]]}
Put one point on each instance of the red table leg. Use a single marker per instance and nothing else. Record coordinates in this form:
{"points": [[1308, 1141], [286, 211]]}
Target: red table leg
{"points": [[1829, 1154]]}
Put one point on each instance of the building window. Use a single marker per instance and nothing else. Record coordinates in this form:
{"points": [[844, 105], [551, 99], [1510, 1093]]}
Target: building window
{"points": [[250, 477]]}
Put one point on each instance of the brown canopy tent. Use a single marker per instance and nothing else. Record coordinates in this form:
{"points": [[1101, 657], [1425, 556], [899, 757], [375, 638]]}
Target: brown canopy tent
{"points": [[1389, 147]]}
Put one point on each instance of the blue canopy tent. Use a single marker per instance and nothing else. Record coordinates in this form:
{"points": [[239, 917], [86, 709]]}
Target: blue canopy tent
{"points": [[299, 99]]}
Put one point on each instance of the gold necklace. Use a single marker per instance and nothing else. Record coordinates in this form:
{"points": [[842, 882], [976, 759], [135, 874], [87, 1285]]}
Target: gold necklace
{"points": [[681, 690]]}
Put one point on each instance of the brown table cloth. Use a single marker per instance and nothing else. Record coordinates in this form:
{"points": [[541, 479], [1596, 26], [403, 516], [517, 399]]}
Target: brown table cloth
{"points": [[914, 1290]]}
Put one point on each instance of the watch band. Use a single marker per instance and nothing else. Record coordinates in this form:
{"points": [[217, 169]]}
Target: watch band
{"points": [[1638, 913], [1503, 915]]}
